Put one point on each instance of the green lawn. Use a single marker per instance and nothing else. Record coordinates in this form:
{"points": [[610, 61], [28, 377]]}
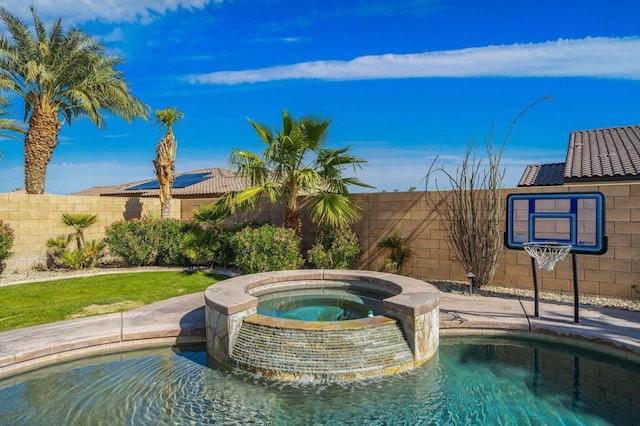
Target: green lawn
{"points": [[23, 305]]}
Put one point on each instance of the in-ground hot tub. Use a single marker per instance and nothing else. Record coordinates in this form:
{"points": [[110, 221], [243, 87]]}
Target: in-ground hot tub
{"points": [[401, 333], [321, 304]]}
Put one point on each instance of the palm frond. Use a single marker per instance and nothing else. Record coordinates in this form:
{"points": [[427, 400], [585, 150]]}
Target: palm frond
{"points": [[295, 163], [78, 221], [7, 124], [213, 214], [250, 166], [67, 71], [168, 117], [264, 133], [333, 209]]}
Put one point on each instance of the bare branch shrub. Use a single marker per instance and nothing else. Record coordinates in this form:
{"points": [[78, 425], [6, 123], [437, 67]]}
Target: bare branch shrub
{"points": [[473, 208]]}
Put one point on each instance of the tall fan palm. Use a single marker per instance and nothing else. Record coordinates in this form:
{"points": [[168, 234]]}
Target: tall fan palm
{"points": [[165, 160], [296, 162], [59, 75]]}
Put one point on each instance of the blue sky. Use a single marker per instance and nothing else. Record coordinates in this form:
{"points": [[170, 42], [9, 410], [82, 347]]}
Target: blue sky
{"points": [[402, 81]]}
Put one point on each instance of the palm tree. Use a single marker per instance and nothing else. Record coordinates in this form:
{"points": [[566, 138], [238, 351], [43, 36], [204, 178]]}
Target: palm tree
{"points": [[165, 160], [398, 249], [296, 162], [59, 75], [79, 222]]}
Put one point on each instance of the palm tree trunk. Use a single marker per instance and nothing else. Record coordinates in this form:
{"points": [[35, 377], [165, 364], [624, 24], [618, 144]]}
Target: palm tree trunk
{"points": [[165, 171], [292, 220], [39, 143], [292, 209]]}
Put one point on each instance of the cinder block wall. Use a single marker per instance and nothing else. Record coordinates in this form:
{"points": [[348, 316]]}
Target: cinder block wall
{"points": [[611, 274], [36, 218]]}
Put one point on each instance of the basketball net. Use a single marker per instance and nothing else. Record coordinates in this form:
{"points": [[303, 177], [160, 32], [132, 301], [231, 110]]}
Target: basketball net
{"points": [[547, 254]]}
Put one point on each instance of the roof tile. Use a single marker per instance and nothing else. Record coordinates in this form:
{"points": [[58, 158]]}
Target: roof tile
{"points": [[604, 153], [593, 155], [543, 175], [217, 181]]}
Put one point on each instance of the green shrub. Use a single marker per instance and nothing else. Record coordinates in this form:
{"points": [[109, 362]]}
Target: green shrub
{"points": [[206, 242], [267, 248], [7, 236], [204, 246], [93, 252], [398, 251], [73, 259], [148, 242], [56, 248], [334, 248], [88, 256]]}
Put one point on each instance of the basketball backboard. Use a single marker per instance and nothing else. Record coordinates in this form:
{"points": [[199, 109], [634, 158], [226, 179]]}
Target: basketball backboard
{"points": [[576, 218]]}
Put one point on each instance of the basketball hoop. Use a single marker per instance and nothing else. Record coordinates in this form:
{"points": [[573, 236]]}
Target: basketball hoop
{"points": [[547, 253]]}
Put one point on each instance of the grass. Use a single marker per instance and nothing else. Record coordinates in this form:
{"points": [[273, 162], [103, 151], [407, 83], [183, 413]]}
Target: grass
{"points": [[24, 305]]}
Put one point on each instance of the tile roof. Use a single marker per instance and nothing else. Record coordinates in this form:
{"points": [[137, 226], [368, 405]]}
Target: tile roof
{"points": [[611, 153], [208, 182], [543, 175]]}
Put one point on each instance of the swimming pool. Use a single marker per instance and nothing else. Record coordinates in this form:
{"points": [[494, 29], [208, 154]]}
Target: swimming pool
{"points": [[469, 381]]}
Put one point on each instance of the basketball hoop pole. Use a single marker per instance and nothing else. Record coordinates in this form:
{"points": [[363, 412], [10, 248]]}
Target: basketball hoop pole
{"points": [[576, 296], [536, 294], [547, 254], [576, 292]]}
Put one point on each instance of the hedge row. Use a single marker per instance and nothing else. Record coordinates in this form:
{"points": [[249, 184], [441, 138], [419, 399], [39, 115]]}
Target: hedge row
{"points": [[249, 247]]}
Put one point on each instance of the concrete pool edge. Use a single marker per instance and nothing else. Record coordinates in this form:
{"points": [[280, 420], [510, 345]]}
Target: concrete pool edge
{"points": [[174, 321], [181, 321]]}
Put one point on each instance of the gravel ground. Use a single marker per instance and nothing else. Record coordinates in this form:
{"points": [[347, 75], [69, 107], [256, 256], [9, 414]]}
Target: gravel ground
{"points": [[46, 275], [444, 286], [492, 291]]}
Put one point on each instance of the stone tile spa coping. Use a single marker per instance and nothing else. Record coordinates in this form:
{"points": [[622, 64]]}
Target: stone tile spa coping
{"points": [[407, 295]]}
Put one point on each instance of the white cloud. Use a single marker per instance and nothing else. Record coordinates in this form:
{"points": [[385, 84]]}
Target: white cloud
{"points": [[280, 40], [76, 11], [589, 57], [115, 35]]}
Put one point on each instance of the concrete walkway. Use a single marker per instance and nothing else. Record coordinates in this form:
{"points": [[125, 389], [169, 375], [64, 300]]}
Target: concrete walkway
{"points": [[181, 320]]}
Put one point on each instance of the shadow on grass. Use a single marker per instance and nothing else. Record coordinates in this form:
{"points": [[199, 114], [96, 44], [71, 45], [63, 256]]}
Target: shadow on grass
{"points": [[217, 275]]}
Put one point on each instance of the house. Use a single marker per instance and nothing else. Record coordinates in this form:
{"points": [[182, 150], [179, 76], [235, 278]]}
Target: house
{"points": [[593, 156], [201, 183]]}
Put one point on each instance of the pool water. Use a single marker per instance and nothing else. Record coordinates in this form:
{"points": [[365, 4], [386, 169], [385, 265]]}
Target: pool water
{"points": [[468, 382], [317, 305]]}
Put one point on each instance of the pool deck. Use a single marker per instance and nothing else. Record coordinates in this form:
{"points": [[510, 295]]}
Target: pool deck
{"points": [[181, 320]]}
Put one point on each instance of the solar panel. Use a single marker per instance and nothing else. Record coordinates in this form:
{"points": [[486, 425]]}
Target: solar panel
{"points": [[181, 181], [153, 184]]}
